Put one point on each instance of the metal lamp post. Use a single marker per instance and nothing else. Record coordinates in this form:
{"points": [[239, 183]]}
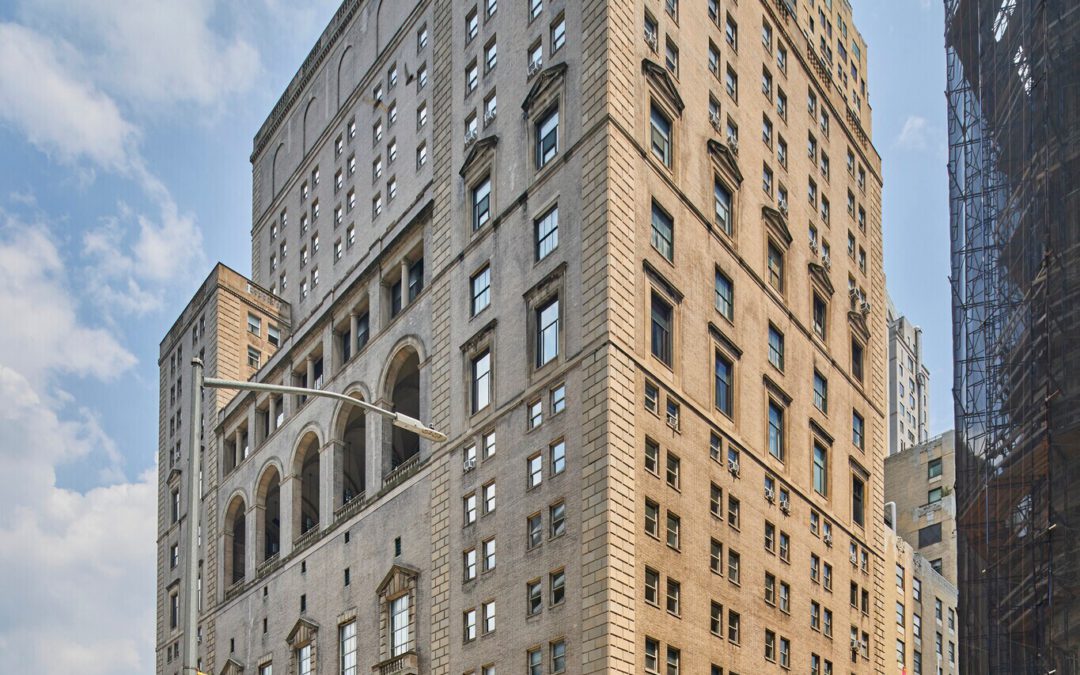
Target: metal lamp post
{"points": [[191, 620]]}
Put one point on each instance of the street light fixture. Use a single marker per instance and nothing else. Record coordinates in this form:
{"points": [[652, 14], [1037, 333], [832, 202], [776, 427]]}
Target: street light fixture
{"points": [[398, 419]]}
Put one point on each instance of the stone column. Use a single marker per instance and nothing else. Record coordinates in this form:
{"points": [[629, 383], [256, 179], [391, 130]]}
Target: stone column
{"points": [[239, 454]]}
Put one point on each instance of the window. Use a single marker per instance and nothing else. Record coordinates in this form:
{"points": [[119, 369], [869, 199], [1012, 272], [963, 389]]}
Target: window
{"points": [[481, 203], [858, 502], [821, 392], [534, 530], [733, 512], [652, 398], [254, 324], [558, 34], [776, 347], [558, 656], [933, 468], [672, 470], [547, 138], [535, 660], [716, 619], [775, 263], [652, 518], [481, 381], [731, 33], [767, 179], [547, 332], [770, 646], [558, 399], [934, 496], [857, 426], [488, 609], [468, 504], [535, 465], [652, 655], [776, 430], [535, 412], [671, 58], [722, 207], [733, 564], [535, 594], [716, 501], [716, 560], [673, 524], [547, 232], [421, 155], [481, 290], [558, 457], [724, 392], [725, 296], [400, 641], [253, 357], [469, 564], [731, 84], [785, 546], [652, 586], [661, 313], [929, 535], [660, 127], [489, 554], [488, 492], [820, 469], [674, 589], [857, 359], [557, 516], [672, 660], [535, 7]]}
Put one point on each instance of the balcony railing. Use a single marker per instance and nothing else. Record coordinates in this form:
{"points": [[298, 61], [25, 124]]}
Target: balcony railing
{"points": [[269, 565], [401, 472], [403, 664], [349, 508]]}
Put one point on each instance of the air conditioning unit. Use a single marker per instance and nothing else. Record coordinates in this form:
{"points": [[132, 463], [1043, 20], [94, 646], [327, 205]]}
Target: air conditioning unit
{"points": [[470, 137], [770, 495], [470, 464], [854, 644], [534, 67], [783, 208], [673, 420], [733, 467], [785, 504], [826, 260], [864, 307], [827, 538], [714, 120], [854, 558], [489, 117], [811, 153], [733, 143], [651, 40]]}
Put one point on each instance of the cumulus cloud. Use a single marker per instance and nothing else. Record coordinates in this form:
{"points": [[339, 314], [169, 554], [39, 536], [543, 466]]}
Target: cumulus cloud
{"points": [[160, 52], [61, 114], [915, 133]]}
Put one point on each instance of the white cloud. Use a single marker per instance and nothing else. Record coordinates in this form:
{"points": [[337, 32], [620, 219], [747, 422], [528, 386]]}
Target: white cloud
{"points": [[915, 133], [60, 113], [43, 334], [160, 52]]}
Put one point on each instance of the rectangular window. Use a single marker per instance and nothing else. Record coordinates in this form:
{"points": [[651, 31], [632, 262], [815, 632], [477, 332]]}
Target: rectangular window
{"points": [[481, 290], [725, 296], [481, 204], [488, 616], [776, 431], [933, 468], [821, 392], [672, 597], [734, 562], [535, 466], [547, 233], [254, 324], [558, 457], [557, 519], [724, 386], [716, 557], [481, 381], [821, 469], [534, 531], [660, 127], [558, 399], [535, 660], [547, 138], [547, 333], [663, 232], [776, 347], [775, 263], [652, 518], [856, 359], [535, 594], [722, 207], [857, 425], [400, 640], [661, 313], [673, 526]]}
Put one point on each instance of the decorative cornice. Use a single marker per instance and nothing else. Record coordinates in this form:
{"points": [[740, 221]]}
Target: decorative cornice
{"points": [[661, 79], [726, 342], [777, 223], [725, 160], [311, 64], [820, 277], [542, 287], [478, 337], [303, 631], [408, 574], [232, 667], [480, 149], [662, 281], [820, 432], [544, 81]]}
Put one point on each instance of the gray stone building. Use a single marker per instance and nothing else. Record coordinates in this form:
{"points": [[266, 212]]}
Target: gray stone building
{"points": [[920, 481], [909, 384], [616, 294]]}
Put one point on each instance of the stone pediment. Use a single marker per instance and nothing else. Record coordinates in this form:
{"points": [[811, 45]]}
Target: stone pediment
{"points": [[777, 224], [548, 78], [660, 78], [398, 579], [724, 159], [303, 632], [481, 150], [820, 277], [232, 667], [858, 324]]}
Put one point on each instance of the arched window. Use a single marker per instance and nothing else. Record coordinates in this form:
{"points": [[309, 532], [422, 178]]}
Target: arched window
{"points": [[235, 540], [354, 459], [269, 514], [307, 493], [405, 398]]}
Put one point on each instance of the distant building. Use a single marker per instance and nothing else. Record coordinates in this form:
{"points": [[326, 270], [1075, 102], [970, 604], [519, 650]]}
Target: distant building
{"points": [[909, 384], [920, 482]]}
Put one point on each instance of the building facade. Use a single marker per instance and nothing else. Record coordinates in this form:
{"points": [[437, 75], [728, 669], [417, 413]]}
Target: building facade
{"points": [[233, 326], [617, 295], [909, 384], [1012, 98], [922, 626], [920, 500]]}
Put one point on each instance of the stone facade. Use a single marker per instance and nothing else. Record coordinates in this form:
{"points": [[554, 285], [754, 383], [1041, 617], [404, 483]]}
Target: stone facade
{"points": [[559, 366], [909, 384], [921, 482]]}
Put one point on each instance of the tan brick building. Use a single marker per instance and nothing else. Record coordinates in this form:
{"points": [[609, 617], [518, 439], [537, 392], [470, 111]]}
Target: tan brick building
{"points": [[618, 295]]}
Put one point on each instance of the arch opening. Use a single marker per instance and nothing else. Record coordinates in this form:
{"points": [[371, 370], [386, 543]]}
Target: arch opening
{"points": [[236, 544], [354, 460], [307, 463], [405, 398]]}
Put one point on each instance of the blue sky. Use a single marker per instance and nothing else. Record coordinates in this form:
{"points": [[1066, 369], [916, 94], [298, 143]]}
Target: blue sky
{"points": [[125, 131]]}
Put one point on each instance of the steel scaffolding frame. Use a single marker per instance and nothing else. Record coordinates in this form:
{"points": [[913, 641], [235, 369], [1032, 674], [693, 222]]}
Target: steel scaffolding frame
{"points": [[1013, 95]]}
